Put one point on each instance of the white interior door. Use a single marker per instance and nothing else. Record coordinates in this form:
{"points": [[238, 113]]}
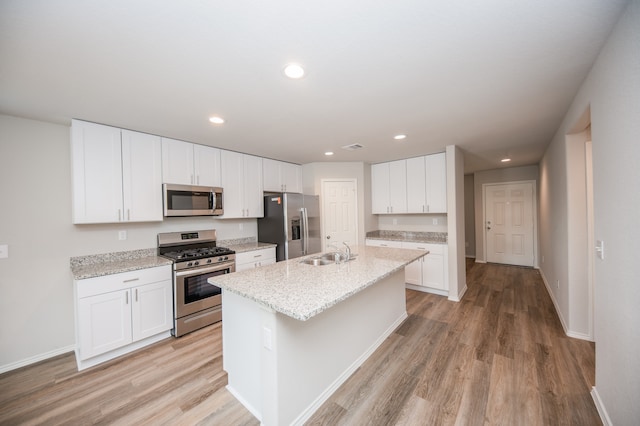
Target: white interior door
{"points": [[339, 213], [509, 223]]}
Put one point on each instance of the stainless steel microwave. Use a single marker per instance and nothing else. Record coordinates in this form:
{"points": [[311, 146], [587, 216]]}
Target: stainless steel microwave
{"points": [[188, 200]]}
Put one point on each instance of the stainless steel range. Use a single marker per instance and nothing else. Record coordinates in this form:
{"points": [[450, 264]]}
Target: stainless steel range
{"points": [[196, 258]]}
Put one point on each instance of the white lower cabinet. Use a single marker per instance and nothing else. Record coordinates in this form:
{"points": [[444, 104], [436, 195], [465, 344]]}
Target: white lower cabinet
{"points": [[119, 313], [429, 273], [255, 258]]}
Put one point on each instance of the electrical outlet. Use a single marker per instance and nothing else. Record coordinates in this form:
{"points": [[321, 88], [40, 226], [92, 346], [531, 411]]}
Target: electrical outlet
{"points": [[600, 249], [4, 251], [240, 226], [557, 283], [122, 235], [435, 221], [395, 221]]}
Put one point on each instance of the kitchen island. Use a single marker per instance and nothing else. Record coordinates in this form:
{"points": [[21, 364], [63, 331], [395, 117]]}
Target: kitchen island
{"points": [[293, 332]]}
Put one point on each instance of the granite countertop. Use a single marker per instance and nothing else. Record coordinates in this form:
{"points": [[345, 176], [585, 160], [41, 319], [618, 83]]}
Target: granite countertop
{"points": [[409, 236], [246, 246], [302, 291], [98, 265]]}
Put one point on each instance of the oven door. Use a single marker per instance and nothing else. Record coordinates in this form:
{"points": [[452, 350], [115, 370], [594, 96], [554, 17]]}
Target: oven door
{"points": [[192, 292]]}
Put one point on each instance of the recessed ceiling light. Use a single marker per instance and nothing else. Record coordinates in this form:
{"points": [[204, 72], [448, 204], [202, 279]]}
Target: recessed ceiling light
{"points": [[294, 71], [400, 137], [506, 160], [328, 153], [216, 120]]}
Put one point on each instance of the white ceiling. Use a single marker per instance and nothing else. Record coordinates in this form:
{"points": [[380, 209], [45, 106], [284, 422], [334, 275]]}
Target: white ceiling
{"points": [[494, 77]]}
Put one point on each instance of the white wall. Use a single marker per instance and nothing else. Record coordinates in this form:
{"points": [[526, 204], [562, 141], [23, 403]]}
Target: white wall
{"points": [[313, 173], [413, 222], [36, 293], [612, 92], [469, 217], [507, 174]]}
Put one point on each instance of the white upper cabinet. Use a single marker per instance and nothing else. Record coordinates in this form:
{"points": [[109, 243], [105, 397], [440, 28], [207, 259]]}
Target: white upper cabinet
{"points": [[242, 185], [416, 185], [389, 186], [423, 190], [116, 174], [186, 163], [280, 176], [436, 178]]}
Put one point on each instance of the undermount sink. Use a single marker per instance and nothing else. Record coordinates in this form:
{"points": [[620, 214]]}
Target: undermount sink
{"points": [[317, 261], [324, 259]]}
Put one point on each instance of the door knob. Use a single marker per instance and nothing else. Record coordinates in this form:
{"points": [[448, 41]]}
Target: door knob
{"points": [[328, 237], [488, 227]]}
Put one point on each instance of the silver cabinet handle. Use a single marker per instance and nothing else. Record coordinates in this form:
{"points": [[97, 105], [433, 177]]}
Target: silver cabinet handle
{"points": [[126, 298], [130, 280], [119, 216], [128, 214], [136, 294]]}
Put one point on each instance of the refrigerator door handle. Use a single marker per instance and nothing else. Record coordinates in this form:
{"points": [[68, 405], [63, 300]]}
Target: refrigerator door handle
{"points": [[305, 231]]}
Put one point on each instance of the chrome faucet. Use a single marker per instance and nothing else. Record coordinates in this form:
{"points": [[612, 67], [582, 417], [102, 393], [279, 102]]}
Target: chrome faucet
{"points": [[341, 256]]}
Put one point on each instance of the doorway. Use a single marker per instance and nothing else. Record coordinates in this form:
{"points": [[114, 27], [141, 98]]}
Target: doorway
{"points": [[339, 199], [510, 222]]}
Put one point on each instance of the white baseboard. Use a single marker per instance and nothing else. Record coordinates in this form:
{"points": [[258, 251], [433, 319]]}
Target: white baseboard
{"points": [[426, 289], [567, 331], [36, 358], [245, 403], [458, 298], [602, 411]]}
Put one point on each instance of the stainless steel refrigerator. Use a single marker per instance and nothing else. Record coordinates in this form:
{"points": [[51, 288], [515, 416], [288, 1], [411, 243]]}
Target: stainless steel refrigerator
{"points": [[292, 221]]}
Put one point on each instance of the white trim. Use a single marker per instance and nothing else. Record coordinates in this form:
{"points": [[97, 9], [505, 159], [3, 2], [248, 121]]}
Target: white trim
{"points": [[355, 212], [534, 208], [250, 408], [566, 330], [36, 358], [602, 411], [458, 298], [427, 289]]}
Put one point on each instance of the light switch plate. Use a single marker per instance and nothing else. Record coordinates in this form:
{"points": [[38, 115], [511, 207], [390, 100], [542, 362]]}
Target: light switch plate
{"points": [[4, 251], [600, 249], [122, 235]]}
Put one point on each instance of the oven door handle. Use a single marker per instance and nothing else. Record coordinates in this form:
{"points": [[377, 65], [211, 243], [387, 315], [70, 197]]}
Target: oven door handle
{"points": [[199, 271]]}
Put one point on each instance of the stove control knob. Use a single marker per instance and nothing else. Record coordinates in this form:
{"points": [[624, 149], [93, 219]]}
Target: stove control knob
{"points": [[189, 264], [196, 263], [208, 260], [225, 258]]}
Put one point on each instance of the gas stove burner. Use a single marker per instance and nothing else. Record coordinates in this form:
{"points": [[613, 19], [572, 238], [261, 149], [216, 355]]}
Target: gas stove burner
{"points": [[199, 253]]}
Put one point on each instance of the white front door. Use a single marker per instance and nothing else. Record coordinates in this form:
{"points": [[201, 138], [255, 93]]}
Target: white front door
{"points": [[509, 223], [339, 213]]}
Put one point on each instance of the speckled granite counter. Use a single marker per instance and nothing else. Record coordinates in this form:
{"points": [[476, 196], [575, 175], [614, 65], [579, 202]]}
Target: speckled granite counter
{"points": [[83, 267], [242, 247], [302, 291], [407, 236]]}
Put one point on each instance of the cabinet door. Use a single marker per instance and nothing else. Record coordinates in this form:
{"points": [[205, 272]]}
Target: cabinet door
{"points": [[433, 271], [206, 165], [413, 271], [232, 169], [141, 177], [291, 177], [96, 161], [104, 323], [380, 188], [436, 170], [152, 309], [398, 186], [271, 175], [416, 185], [253, 191], [177, 162]]}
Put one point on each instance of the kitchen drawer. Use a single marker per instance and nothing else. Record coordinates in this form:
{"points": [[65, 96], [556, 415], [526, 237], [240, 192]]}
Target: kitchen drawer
{"points": [[383, 243], [124, 280], [432, 248]]}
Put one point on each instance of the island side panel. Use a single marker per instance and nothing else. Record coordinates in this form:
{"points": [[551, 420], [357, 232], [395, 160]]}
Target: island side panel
{"points": [[242, 349], [315, 357]]}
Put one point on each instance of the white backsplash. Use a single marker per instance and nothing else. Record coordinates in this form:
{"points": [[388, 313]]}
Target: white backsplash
{"points": [[413, 222]]}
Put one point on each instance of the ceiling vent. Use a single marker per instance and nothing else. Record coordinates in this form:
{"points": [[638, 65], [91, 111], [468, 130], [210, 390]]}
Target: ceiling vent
{"points": [[352, 147]]}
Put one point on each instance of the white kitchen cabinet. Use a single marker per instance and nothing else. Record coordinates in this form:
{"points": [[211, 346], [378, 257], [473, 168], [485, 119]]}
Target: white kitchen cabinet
{"points": [[242, 184], [416, 185], [431, 270], [436, 183], [255, 258], [118, 313], [116, 174], [383, 243], [186, 163], [389, 187], [280, 176]]}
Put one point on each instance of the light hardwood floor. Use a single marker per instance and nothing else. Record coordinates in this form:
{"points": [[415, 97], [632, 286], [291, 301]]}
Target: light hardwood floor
{"points": [[499, 357]]}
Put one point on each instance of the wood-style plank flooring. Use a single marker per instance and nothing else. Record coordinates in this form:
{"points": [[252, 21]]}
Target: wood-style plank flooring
{"points": [[499, 357]]}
